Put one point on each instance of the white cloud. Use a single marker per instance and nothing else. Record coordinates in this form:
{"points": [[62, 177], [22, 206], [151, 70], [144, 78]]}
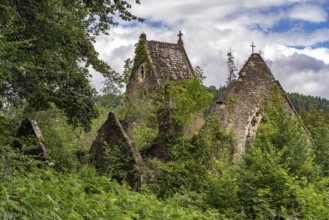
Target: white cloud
{"points": [[317, 53], [302, 73], [212, 27], [308, 12]]}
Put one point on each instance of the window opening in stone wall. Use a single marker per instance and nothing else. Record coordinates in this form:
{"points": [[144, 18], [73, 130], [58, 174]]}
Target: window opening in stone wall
{"points": [[253, 125], [142, 72]]}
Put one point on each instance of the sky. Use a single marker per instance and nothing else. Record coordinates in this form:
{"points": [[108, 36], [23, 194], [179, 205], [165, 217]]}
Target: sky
{"points": [[293, 35]]}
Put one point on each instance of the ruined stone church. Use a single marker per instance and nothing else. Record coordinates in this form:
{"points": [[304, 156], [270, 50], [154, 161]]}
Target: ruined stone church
{"points": [[237, 110], [160, 64]]}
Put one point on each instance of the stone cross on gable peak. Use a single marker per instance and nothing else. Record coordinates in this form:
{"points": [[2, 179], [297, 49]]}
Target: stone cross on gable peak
{"points": [[180, 41], [252, 47], [180, 35]]}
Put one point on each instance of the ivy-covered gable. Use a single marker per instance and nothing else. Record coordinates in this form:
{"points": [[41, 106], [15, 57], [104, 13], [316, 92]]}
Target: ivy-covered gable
{"points": [[156, 63]]}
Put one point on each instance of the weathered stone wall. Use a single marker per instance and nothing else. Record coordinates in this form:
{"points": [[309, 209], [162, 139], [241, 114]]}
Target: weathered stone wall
{"points": [[114, 152], [170, 62], [141, 81], [164, 62], [29, 139], [239, 109]]}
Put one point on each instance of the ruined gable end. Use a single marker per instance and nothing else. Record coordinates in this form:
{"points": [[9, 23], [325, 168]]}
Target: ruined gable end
{"points": [[156, 63], [238, 109], [29, 139], [114, 152]]}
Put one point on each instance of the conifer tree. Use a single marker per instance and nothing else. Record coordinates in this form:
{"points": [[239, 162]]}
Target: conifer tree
{"points": [[231, 67]]}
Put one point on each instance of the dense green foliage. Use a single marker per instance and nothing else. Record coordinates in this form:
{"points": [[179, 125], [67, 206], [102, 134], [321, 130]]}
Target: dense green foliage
{"points": [[217, 93], [315, 114], [108, 101], [277, 168], [307, 103], [141, 56], [45, 52], [42, 193], [127, 70], [281, 175], [188, 98], [317, 123], [191, 163], [46, 49]]}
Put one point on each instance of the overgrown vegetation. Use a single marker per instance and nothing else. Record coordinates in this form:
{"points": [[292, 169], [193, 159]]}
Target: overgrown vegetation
{"points": [[27, 192], [187, 98], [281, 175], [46, 49], [309, 103]]}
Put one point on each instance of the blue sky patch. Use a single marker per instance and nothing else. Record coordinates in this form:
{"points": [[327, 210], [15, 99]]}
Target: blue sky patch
{"points": [[297, 47], [154, 24], [322, 44]]}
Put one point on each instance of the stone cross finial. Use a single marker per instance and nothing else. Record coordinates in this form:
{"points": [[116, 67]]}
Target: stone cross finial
{"points": [[252, 47], [180, 41], [180, 35]]}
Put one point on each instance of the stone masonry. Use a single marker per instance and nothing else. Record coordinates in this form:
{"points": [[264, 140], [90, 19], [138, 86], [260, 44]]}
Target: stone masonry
{"points": [[168, 63], [114, 147], [238, 110], [29, 138]]}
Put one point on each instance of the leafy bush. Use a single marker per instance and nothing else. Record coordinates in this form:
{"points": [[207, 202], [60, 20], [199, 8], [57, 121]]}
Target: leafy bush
{"points": [[43, 193], [278, 170]]}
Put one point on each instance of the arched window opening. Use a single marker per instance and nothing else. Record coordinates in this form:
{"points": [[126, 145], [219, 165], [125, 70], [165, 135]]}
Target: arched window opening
{"points": [[253, 125], [142, 72]]}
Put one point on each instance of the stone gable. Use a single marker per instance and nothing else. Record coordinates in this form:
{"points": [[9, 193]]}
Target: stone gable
{"points": [[114, 150], [166, 62], [170, 62], [29, 138], [238, 109]]}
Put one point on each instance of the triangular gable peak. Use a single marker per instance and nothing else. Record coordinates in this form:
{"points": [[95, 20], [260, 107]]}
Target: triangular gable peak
{"points": [[170, 61], [29, 135], [166, 62], [255, 68], [255, 78], [112, 146]]}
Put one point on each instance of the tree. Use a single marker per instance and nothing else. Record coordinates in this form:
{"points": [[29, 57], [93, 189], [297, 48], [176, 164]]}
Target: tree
{"points": [[111, 88], [46, 49], [278, 172], [188, 98], [198, 73], [317, 124], [128, 67], [231, 67]]}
